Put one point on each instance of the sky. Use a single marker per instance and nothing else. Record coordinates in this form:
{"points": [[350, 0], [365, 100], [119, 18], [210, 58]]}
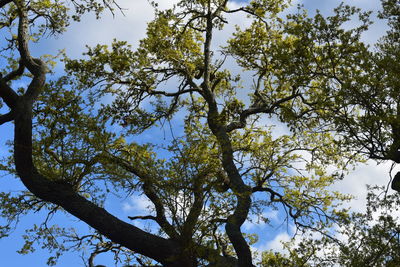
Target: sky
{"points": [[132, 27]]}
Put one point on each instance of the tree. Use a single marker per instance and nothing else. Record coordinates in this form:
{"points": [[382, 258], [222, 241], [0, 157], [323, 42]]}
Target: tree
{"points": [[226, 162], [365, 239], [367, 114]]}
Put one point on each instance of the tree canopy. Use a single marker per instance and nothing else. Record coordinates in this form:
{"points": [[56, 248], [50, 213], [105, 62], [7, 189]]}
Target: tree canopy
{"points": [[78, 135]]}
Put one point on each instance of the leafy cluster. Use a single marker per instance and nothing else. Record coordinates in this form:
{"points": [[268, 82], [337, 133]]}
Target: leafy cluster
{"points": [[364, 239], [94, 134]]}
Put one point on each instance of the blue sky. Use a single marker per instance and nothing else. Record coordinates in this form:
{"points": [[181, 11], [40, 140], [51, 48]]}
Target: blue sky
{"points": [[131, 27]]}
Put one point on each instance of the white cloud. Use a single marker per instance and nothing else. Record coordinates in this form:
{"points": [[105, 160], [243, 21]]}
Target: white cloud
{"points": [[129, 26], [356, 181], [132, 27], [275, 244], [137, 204], [256, 222], [271, 215]]}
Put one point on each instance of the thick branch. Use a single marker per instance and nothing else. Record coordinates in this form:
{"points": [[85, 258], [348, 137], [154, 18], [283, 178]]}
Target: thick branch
{"points": [[15, 73], [202, 252], [23, 40], [6, 118], [62, 194], [148, 217], [241, 190], [34, 65], [207, 57], [9, 96], [150, 193], [257, 110], [195, 210]]}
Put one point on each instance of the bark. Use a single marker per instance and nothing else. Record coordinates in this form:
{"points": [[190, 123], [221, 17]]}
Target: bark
{"points": [[62, 194], [396, 182], [6, 118], [166, 251], [218, 128]]}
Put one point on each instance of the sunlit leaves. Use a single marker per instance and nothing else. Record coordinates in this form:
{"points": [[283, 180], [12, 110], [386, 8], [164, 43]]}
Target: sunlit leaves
{"points": [[172, 43], [234, 150], [368, 95]]}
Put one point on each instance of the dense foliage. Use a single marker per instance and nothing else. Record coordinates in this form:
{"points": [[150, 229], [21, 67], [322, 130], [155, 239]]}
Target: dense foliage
{"points": [[80, 136]]}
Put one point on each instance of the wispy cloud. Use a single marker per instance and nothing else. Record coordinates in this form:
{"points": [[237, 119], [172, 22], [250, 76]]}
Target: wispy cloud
{"points": [[137, 204]]}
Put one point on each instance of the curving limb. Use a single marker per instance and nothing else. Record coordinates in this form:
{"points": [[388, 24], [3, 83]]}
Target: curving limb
{"points": [[63, 194], [6, 117], [35, 65], [15, 73], [240, 189], [9, 96], [266, 109]]}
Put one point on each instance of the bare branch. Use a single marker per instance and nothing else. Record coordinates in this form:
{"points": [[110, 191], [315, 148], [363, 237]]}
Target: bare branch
{"points": [[256, 110], [149, 217], [247, 11], [174, 94], [150, 193], [195, 210], [15, 73]]}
